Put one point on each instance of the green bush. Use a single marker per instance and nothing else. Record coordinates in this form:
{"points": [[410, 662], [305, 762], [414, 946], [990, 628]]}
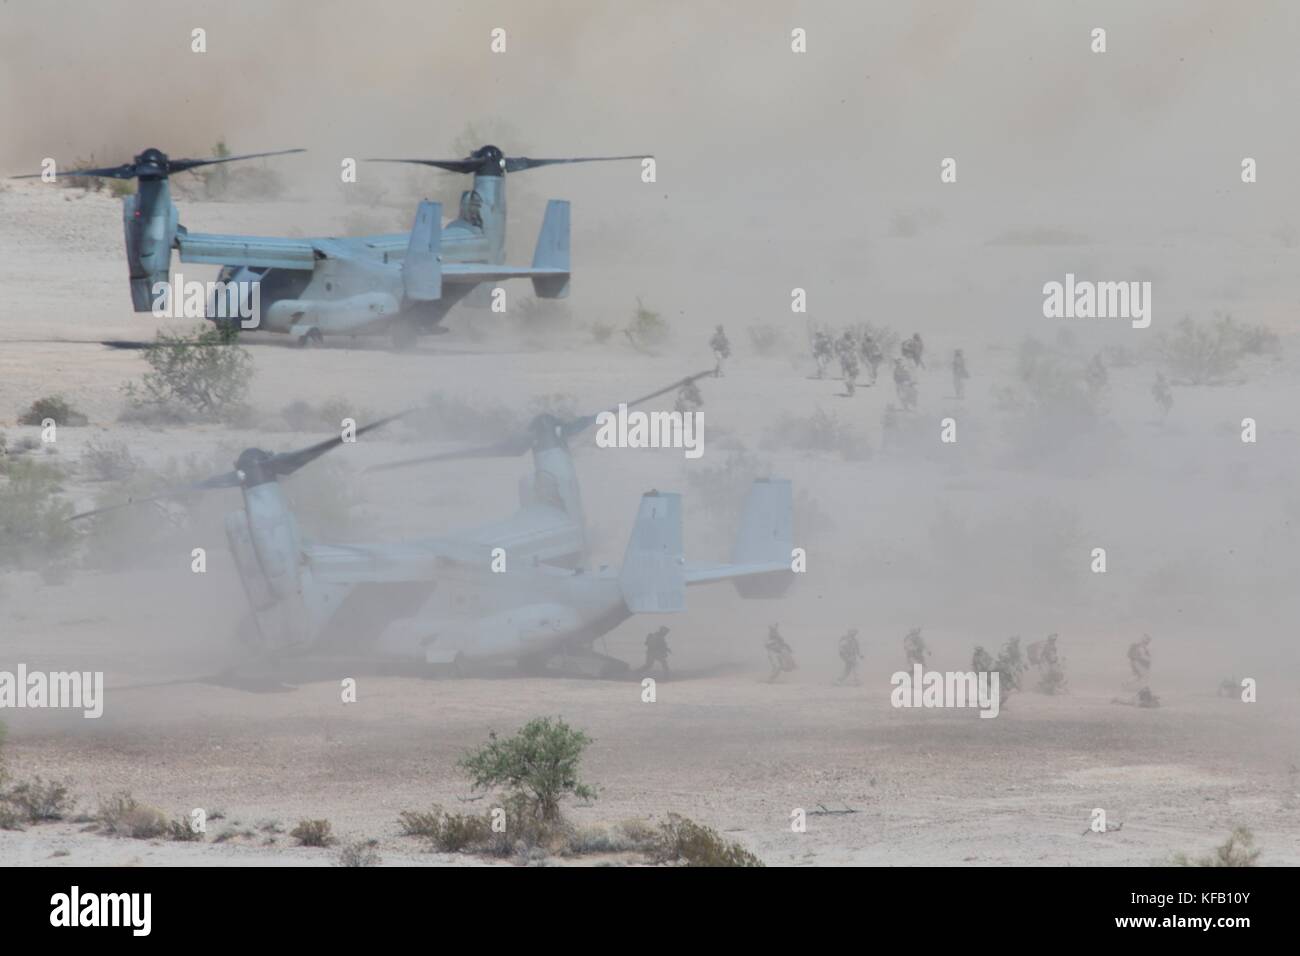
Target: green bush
{"points": [[1237, 850], [360, 853], [448, 832], [201, 376], [34, 530], [313, 833], [647, 331], [688, 843], [538, 766], [54, 407], [40, 801], [122, 815]]}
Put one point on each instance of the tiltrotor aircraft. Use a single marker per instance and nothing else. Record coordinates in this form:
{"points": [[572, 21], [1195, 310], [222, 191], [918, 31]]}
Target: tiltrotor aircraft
{"points": [[398, 284], [514, 591]]}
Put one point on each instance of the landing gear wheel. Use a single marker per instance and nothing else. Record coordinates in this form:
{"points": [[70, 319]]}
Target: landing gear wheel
{"points": [[313, 339]]}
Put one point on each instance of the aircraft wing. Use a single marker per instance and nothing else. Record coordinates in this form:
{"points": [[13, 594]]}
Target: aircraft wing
{"points": [[701, 573], [538, 531], [222, 250], [276, 252], [392, 562]]}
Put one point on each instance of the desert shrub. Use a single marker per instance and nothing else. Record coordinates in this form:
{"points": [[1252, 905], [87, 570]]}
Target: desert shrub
{"points": [[240, 181], [1052, 680], [822, 431], [88, 183], [1237, 850], [34, 530], [444, 418], [328, 416], [766, 340], [647, 331], [448, 832], [630, 836], [181, 831], [200, 376], [538, 766], [122, 815], [39, 801], [688, 843], [108, 461], [360, 853], [1205, 353], [601, 332], [55, 407], [313, 833], [541, 318], [1051, 408], [474, 833], [121, 188], [1259, 340]]}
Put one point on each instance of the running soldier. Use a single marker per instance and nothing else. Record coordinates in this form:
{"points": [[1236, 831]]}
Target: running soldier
{"points": [[1139, 659], [959, 373], [850, 654], [779, 654], [1011, 663], [872, 355], [721, 349], [913, 349], [1051, 666], [1096, 375], [914, 647], [905, 385], [847, 350], [823, 350], [1161, 393], [656, 650]]}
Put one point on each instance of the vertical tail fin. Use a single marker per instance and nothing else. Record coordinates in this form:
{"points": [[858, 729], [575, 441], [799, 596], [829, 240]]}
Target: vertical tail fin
{"points": [[552, 251], [422, 268], [766, 536], [653, 577]]}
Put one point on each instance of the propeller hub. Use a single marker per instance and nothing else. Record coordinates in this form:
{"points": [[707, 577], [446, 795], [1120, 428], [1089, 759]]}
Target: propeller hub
{"points": [[252, 466]]}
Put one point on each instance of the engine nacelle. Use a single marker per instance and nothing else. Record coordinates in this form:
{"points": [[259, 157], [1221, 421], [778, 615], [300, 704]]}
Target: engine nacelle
{"points": [[150, 223]]}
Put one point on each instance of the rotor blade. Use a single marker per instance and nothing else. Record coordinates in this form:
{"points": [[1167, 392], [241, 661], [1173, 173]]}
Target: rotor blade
{"points": [[181, 165], [576, 425], [517, 164], [286, 463], [228, 480], [510, 448], [125, 171], [451, 165]]}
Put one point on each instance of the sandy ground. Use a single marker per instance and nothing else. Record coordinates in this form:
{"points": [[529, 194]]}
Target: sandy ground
{"points": [[1202, 540]]}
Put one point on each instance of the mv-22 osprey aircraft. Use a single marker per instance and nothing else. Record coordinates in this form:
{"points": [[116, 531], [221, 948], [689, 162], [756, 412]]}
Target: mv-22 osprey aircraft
{"points": [[515, 590], [398, 284]]}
